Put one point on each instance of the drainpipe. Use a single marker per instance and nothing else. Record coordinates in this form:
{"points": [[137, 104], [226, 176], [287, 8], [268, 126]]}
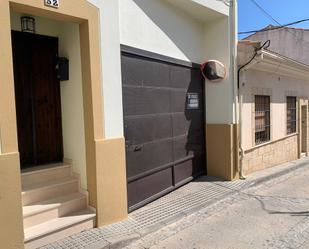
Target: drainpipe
{"points": [[233, 55], [241, 150]]}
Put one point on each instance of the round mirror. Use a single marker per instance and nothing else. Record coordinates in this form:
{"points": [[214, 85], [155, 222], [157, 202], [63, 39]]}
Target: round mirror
{"points": [[213, 70]]}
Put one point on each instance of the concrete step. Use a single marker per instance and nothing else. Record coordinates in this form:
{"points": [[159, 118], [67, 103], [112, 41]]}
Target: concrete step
{"points": [[58, 228], [44, 211], [45, 173], [49, 190]]}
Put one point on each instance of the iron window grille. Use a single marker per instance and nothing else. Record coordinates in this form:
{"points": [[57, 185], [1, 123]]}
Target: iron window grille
{"points": [[262, 119], [291, 114]]}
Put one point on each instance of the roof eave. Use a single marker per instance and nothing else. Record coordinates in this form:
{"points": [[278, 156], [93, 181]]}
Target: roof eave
{"points": [[275, 63]]}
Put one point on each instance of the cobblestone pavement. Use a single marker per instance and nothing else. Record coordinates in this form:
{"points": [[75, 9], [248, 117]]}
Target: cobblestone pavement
{"points": [[271, 215], [209, 208]]}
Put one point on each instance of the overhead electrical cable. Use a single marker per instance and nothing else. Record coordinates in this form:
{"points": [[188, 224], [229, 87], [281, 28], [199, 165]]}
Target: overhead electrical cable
{"points": [[265, 12], [274, 20], [274, 27]]}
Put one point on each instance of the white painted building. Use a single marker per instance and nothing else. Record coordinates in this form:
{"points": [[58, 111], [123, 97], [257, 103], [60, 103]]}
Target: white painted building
{"points": [[274, 92]]}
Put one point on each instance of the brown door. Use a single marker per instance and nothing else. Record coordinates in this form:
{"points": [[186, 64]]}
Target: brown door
{"points": [[37, 94], [163, 102]]}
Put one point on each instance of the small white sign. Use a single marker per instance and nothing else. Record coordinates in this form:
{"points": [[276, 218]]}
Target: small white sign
{"points": [[52, 3], [192, 101]]}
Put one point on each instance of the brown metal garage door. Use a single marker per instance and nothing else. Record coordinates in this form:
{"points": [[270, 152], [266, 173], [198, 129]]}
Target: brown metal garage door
{"points": [[163, 100]]}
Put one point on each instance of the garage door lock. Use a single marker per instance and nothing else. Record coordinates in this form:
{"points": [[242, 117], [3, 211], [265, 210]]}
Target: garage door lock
{"points": [[138, 148]]}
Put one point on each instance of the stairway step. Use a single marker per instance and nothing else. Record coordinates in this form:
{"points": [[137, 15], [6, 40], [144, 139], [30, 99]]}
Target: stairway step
{"points": [[44, 211], [58, 228], [45, 173], [49, 190]]}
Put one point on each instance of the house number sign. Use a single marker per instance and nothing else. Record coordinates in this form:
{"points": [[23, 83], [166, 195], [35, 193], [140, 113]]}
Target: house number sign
{"points": [[52, 3]]}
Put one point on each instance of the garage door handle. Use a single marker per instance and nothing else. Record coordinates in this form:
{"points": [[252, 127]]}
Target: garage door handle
{"points": [[138, 148]]}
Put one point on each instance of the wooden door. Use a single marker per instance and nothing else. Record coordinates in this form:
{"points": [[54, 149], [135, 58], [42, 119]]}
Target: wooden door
{"points": [[37, 94]]}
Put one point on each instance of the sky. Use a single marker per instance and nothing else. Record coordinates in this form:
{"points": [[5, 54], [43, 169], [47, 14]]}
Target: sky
{"points": [[284, 11]]}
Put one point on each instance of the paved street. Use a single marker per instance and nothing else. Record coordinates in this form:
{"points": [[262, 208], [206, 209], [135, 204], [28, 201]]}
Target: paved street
{"points": [[268, 210], [274, 214]]}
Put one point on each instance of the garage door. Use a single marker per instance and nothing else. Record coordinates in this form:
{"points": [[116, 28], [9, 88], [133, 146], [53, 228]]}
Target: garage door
{"points": [[163, 102]]}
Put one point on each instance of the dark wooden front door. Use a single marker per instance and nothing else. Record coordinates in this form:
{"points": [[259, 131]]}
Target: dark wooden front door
{"points": [[163, 102], [37, 94]]}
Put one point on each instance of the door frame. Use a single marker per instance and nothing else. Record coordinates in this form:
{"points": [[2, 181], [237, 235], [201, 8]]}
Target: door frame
{"points": [[109, 200], [302, 135]]}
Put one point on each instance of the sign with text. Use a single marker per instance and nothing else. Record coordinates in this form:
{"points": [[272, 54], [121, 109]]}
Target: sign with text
{"points": [[193, 101], [52, 3]]}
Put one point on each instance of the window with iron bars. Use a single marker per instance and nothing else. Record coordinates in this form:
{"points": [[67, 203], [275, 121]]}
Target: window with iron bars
{"points": [[262, 119], [291, 114]]}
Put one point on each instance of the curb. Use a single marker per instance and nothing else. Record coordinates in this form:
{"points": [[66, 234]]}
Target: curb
{"points": [[295, 166]]}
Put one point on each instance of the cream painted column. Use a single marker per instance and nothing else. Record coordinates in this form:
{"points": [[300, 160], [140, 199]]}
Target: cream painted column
{"points": [[111, 67], [11, 225], [109, 177]]}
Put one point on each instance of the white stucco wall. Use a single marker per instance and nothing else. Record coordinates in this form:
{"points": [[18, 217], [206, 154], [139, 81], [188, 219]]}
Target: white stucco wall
{"points": [[160, 27], [219, 96], [72, 102], [219, 6], [71, 91], [280, 87], [111, 67]]}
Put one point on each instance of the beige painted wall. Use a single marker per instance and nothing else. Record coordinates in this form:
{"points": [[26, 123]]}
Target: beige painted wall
{"points": [[259, 82], [222, 147], [86, 15], [72, 102], [71, 91], [11, 226], [43, 26]]}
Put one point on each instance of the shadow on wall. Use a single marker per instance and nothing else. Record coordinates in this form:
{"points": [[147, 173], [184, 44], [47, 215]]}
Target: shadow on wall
{"points": [[196, 134], [183, 31]]}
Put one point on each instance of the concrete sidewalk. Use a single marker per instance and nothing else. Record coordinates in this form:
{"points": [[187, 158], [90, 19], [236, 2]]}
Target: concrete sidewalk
{"points": [[203, 192], [271, 215]]}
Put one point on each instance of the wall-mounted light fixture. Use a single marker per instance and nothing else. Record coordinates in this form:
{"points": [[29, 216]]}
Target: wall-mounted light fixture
{"points": [[27, 24]]}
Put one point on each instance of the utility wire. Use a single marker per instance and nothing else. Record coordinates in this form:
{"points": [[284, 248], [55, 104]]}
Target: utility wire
{"points": [[273, 28], [264, 46], [265, 12], [274, 20]]}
